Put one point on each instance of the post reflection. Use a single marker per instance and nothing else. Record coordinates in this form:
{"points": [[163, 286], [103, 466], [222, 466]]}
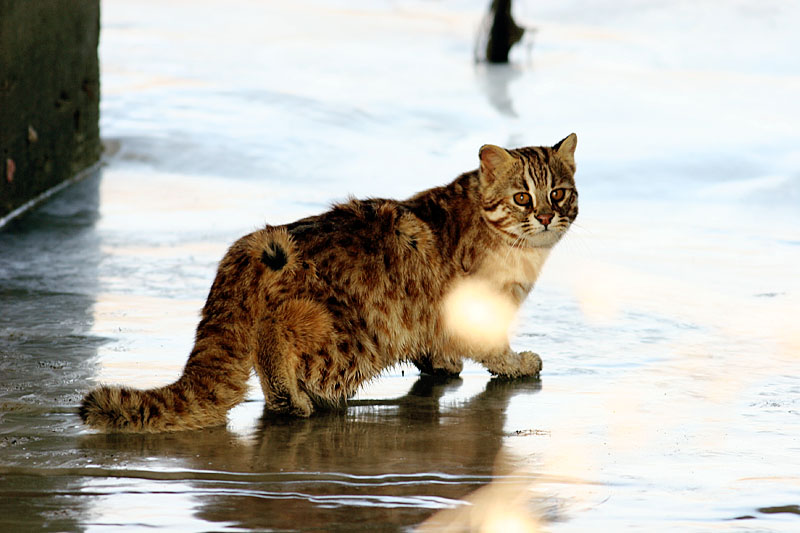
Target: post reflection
{"points": [[495, 81]]}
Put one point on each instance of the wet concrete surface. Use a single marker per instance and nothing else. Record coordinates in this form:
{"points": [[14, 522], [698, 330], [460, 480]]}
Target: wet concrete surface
{"points": [[667, 320]]}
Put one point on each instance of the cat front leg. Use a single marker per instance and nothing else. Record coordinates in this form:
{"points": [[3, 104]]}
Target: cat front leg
{"points": [[511, 364]]}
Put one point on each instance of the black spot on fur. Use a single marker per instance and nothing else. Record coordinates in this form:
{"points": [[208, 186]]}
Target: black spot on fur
{"points": [[242, 262], [369, 211], [432, 213], [368, 246], [411, 290], [274, 257], [179, 406], [209, 330], [307, 360]]}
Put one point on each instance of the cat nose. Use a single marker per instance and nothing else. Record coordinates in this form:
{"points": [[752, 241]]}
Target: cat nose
{"points": [[545, 219]]}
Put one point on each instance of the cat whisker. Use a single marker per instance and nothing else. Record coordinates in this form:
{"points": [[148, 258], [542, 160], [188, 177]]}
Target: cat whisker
{"points": [[517, 241], [582, 228], [576, 241]]}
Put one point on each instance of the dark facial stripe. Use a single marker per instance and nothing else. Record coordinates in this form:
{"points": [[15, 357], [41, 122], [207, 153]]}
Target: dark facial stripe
{"points": [[501, 230], [493, 206], [525, 171]]}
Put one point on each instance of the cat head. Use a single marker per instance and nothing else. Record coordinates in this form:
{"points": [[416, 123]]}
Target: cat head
{"points": [[529, 194]]}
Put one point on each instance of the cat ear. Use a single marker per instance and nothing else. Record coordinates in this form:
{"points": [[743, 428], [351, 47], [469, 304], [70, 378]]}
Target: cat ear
{"points": [[493, 159], [565, 148]]}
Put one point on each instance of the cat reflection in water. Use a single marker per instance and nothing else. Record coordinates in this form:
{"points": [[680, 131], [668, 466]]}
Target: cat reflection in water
{"points": [[321, 305]]}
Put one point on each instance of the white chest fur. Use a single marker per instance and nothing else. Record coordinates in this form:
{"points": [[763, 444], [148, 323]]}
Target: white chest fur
{"points": [[512, 269], [479, 310]]}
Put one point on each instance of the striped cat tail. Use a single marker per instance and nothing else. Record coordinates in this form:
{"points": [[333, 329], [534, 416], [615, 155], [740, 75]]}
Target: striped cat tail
{"points": [[215, 376]]}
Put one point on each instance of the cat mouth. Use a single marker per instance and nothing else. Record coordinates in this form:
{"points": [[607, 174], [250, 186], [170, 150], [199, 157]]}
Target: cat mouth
{"points": [[544, 237]]}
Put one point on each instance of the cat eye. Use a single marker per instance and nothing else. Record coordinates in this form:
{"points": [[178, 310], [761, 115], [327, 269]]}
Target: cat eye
{"points": [[557, 194], [522, 198]]}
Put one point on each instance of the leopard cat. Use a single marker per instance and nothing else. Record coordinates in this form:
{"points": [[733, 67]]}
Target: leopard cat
{"points": [[324, 304]]}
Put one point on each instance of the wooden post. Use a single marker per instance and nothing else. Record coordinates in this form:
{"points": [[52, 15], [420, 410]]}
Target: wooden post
{"points": [[49, 95]]}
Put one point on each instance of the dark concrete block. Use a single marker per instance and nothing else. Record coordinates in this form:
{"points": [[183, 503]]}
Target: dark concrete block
{"points": [[49, 95]]}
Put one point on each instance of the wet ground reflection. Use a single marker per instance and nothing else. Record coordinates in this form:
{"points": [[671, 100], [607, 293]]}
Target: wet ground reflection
{"points": [[48, 281], [394, 461]]}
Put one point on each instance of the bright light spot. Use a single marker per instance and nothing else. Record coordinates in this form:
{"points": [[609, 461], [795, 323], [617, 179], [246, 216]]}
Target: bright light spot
{"points": [[504, 522], [478, 314], [499, 507]]}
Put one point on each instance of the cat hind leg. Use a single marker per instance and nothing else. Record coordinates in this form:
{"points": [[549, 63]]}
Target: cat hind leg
{"points": [[288, 339]]}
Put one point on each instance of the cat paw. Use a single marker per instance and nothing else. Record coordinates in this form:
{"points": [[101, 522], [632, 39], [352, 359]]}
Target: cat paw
{"points": [[517, 365], [296, 403], [531, 363]]}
